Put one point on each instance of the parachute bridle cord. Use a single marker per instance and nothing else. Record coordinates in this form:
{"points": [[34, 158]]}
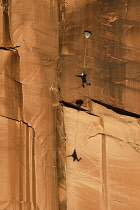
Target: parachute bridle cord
{"points": [[85, 55], [87, 35], [76, 130]]}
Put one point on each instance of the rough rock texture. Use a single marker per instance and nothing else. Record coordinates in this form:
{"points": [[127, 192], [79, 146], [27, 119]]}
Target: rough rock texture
{"points": [[29, 52], [107, 177], [17, 165], [42, 48], [112, 54]]}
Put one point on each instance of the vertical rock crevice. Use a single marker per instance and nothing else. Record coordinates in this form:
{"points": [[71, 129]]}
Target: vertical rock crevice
{"points": [[6, 24], [104, 171], [61, 136], [13, 88], [20, 141]]}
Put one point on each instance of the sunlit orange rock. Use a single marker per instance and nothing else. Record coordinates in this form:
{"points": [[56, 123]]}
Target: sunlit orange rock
{"points": [[46, 114]]}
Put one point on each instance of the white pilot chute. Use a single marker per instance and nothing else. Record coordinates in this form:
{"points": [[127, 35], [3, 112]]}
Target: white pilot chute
{"points": [[87, 34]]}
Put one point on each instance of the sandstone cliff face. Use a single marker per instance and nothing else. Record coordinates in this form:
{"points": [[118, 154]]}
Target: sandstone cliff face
{"points": [[42, 48], [112, 55], [29, 53], [107, 177]]}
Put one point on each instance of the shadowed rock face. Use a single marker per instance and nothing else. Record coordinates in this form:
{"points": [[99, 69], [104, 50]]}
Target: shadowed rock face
{"points": [[112, 55], [46, 114]]}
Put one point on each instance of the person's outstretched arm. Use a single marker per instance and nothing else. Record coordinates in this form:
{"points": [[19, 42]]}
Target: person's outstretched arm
{"points": [[78, 75], [69, 155]]}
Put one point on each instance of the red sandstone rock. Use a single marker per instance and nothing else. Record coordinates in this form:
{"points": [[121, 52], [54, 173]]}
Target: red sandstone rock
{"points": [[42, 48]]}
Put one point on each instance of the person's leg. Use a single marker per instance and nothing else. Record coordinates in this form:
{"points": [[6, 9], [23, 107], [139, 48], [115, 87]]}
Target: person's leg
{"points": [[83, 84], [88, 83]]}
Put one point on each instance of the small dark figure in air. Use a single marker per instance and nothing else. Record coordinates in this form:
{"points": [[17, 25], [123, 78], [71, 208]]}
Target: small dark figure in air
{"points": [[84, 79], [74, 155]]}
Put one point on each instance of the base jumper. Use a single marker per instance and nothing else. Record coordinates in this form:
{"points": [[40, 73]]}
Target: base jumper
{"points": [[74, 155], [84, 79]]}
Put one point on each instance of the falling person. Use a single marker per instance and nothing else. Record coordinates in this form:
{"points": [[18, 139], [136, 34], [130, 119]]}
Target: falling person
{"points": [[84, 79], [74, 155]]}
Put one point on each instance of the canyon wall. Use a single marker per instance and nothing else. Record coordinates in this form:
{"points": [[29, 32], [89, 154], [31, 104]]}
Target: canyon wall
{"points": [[45, 113]]}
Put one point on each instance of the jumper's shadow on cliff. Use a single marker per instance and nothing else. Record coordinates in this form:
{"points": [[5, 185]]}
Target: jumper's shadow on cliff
{"points": [[74, 155]]}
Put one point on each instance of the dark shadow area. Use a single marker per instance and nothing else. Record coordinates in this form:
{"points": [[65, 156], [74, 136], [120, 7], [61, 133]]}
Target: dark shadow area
{"points": [[9, 48], [79, 102], [73, 106], [78, 108], [117, 110]]}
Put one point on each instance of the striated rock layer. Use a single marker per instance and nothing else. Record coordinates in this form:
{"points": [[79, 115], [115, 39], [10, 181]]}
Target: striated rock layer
{"points": [[29, 53], [45, 113]]}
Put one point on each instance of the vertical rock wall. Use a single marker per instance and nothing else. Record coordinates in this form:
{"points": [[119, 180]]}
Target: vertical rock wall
{"points": [[29, 54], [112, 54], [42, 48], [107, 175]]}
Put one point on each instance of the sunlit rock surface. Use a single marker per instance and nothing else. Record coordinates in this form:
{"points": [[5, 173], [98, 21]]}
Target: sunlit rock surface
{"points": [[107, 176], [42, 48], [29, 53], [17, 165]]}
